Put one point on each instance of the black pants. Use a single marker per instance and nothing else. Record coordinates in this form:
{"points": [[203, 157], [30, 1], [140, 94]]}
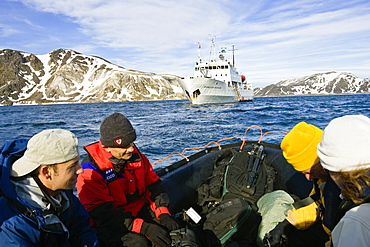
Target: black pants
{"points": [[109, 237]]}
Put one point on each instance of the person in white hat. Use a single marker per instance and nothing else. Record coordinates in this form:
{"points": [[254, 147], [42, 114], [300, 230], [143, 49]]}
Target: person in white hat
{"points": [[344, 152], [38, 207], [310, 222]]}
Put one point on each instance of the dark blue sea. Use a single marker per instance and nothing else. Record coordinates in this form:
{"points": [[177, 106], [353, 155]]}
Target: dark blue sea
{"points": [[167, 126]]}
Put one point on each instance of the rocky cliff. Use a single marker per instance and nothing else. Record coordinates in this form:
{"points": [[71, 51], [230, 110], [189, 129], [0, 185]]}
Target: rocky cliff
{"points": [[317, 84], [66, 76]]}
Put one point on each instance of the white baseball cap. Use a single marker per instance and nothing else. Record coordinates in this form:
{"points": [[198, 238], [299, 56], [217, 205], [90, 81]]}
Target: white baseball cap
{"points": [[52, 146]]}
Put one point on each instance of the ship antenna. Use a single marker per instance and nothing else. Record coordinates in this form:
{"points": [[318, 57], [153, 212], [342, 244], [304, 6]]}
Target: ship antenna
{"points": [[213, 48], [234, 55], [199, 46]]}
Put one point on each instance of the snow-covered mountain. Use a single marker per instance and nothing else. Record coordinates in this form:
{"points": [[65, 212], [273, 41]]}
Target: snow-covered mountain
{"points": [[318, 84], [66, 76]]}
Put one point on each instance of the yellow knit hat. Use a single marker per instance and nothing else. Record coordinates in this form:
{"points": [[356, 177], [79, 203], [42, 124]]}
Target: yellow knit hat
{"points": [[300, 146]]}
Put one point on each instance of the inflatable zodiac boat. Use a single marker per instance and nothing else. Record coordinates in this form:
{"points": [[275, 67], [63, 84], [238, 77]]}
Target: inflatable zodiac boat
{"points": [[182, 178]]}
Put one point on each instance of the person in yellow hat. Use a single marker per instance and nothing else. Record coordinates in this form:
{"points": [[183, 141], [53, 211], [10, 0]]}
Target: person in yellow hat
{"points": [[305, 224], [299, 149]]}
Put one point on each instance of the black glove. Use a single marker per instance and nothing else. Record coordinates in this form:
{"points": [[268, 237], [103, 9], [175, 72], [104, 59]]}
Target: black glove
{"points": [[277, 236], [167, 221], [156, 234]]}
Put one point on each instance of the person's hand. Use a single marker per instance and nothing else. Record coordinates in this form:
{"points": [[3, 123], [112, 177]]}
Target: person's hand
{"points": [[276, 237], [167, 221], [156, 234]]}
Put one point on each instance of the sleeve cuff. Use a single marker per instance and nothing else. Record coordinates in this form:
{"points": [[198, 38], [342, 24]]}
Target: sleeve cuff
{"points": [[137, 224], [161, 210]]}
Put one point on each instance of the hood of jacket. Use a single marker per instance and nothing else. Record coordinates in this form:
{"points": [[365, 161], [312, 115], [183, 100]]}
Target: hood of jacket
{"points": [[10, 152]]}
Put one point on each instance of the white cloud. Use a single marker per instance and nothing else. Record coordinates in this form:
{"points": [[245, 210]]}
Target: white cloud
{"points": [[141, 24], [6, 31], [31, 24]]}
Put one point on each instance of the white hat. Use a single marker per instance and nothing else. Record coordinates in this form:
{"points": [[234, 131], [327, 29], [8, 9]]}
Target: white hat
{"points": [[52, 146], [345, 144]]}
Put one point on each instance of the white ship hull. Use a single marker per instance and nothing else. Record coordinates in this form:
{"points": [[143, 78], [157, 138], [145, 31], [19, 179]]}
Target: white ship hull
{"points": [[211, 91], [216, 81]]}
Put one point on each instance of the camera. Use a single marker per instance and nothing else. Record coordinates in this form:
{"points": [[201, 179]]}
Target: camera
{"points": [[183, 238], [267, 241]]}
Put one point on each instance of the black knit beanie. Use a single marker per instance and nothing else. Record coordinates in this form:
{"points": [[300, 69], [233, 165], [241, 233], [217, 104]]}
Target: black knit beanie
{"points": [[116, 131]]}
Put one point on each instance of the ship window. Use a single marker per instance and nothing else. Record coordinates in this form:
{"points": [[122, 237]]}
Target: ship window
{"points": [[226, 67], [222, 66]]}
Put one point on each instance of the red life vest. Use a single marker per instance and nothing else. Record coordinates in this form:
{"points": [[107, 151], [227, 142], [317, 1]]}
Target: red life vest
{"points": [[137, 175]]}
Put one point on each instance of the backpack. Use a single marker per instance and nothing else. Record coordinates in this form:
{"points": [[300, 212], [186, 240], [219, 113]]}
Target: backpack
{"points": [[228, 197], [242, 174], [232, 216]]}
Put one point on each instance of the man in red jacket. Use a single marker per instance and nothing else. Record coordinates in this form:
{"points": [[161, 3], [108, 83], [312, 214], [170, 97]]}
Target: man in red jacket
{"points": [[124, 196]]}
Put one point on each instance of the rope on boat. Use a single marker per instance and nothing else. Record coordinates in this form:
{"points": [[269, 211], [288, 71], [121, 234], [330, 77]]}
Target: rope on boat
{"points": [[243, 139]]}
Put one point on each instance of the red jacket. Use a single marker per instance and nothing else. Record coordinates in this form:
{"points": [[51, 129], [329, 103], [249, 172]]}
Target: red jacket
{"points": [[128, 191]]}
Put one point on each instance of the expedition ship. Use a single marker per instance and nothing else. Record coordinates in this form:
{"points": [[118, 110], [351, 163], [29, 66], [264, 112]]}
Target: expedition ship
{"points": [[216, 81]]}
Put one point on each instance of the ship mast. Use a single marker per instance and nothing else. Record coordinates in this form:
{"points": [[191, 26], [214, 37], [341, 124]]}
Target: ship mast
{"points": [[199, 46], [233, 49], [213, 49]]}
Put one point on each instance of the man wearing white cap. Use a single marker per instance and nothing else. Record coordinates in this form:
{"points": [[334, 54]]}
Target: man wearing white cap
{"points": [[38, 207], [344, 152]]}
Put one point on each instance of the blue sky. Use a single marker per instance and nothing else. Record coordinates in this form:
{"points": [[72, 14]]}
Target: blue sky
{"points": [[275, 39]]}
